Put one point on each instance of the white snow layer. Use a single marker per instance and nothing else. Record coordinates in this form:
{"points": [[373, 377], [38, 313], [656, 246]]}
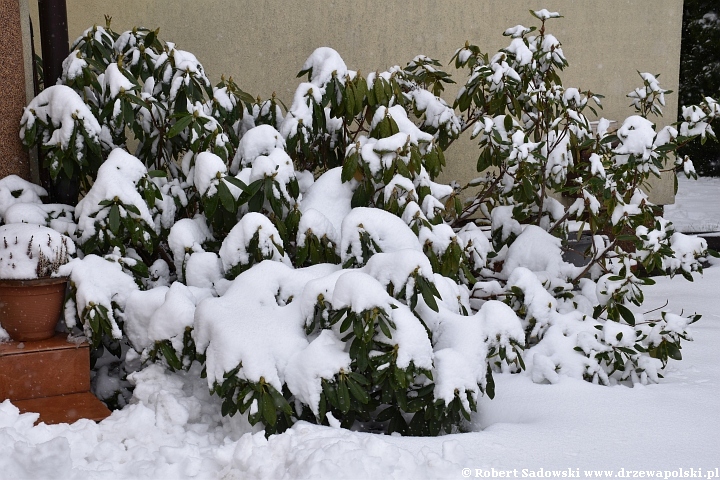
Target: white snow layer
{"points": [[173, 428]]}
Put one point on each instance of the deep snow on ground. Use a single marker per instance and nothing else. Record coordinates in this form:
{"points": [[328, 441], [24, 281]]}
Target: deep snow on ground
{"points": [[697, 205], [174, 430]]}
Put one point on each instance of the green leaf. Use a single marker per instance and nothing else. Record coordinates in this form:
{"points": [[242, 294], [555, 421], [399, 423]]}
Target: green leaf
{"points": [[673, 351], [279, 401], [170, 355], [343, 396], [384, 328], [386, 414], [226, 198], [114, 218], [294, 188], [256, 202], [237, 182], [427, 294], [490, 385], [379, 91], [358, 392], [211, 204], [359, 378], [132, 209], [268, 409], [228, 408], [330, 393], [179, 126], [69, 167], [626, 314], [528, 189], [349, 167], [357, 326]]}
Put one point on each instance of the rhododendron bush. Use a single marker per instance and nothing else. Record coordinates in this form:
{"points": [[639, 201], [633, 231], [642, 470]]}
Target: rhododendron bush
{"points": [[307, 258]]}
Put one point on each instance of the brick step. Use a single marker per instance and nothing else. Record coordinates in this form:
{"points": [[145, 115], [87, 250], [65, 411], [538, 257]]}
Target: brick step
{"points": [[50, 377], [65, 408], [44, 368]]}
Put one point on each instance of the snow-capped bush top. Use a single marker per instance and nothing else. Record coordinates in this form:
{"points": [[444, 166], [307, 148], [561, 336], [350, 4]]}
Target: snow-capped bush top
{"points": [[330, 196], [636, 136], [209, 168], [98, 284], [59, 106], [385, 231], [117, 180], [254, 235], [257, 141], [114, 82], [322, 64]]}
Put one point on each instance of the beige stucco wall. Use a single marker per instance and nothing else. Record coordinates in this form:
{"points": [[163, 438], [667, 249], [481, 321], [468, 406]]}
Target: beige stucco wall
{"points": [[263, 43]]}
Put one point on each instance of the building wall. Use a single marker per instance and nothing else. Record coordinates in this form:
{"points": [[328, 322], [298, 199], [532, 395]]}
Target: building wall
{"points": [[13, 159], [263, 43]]}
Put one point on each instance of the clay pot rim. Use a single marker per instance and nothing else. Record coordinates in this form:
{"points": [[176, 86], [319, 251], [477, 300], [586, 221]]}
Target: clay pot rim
{"points": [[27, 282]]}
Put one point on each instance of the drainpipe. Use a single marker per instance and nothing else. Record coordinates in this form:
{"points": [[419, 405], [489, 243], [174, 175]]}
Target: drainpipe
{"points": [[55, 48]]}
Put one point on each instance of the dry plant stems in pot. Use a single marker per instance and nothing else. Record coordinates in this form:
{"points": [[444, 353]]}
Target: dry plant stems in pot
{"points": [[31, 292]]}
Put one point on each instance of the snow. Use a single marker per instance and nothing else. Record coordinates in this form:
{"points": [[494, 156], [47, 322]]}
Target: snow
{"points": [[395, 268], [536, 250], [235, 248], [60, 106], [301, 110], [58, 216], [208, 169], [99, 282], [315, 223], [73, 65], [260, 140], [139, 312], [253, 330], [387, 231], [405, 125], [436, 110], [545, 14], [323, 358], [23, 244], [187, 236], [323, 63], [116, 180], [173, 428], [636, 137], [692, 211], [330, 196], [114, 82]]}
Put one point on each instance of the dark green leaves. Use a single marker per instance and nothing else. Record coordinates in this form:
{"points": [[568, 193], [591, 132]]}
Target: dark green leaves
{"points": [[181, 124], [626, 314], [226, 198], [114, 218]]}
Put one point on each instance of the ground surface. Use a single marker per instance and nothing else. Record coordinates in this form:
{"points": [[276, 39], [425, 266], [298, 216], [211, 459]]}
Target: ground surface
{"points": [[173, 429]]}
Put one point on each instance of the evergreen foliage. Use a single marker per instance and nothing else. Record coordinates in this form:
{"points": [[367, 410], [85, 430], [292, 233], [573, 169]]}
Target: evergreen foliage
{"points": [[308, 259], [700, 73]]}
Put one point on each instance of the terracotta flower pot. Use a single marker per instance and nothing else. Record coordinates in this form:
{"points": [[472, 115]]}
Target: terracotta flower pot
{"points": [[30, 309]]}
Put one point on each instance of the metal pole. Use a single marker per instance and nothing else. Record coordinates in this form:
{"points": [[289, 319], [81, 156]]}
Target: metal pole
{"points": [[55, 49], [53, 38]]}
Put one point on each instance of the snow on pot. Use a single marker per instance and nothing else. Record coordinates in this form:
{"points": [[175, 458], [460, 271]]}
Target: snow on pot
{"points": [[31, 292]]}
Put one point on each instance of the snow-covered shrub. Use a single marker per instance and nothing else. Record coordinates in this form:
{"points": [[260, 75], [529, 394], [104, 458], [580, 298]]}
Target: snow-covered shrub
{"points": [[311, 263]]}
